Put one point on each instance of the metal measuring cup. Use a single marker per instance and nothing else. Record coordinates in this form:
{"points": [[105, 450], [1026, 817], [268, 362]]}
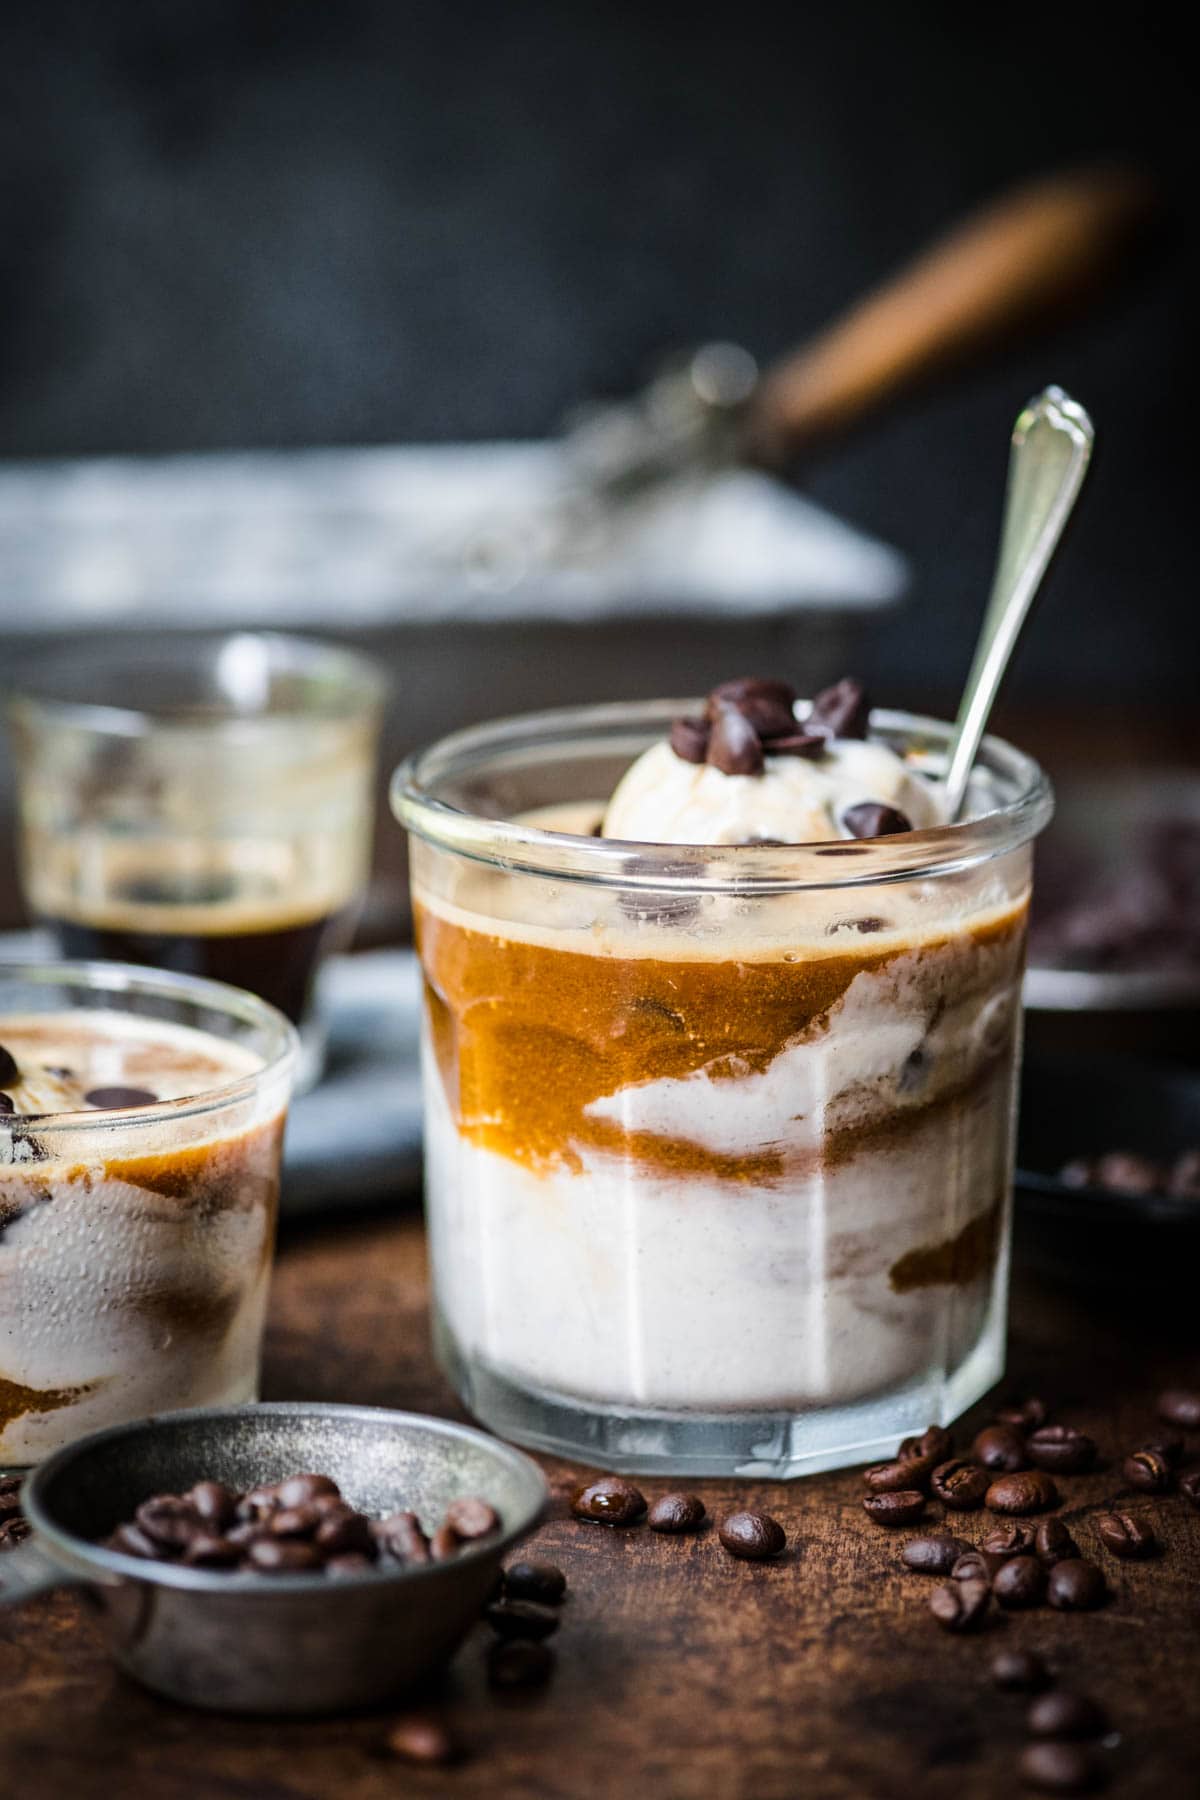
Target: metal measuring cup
{"points": [[280, 1643]]}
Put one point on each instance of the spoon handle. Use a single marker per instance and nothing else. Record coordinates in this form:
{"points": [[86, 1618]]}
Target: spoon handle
{"points": [[1051, 448]]}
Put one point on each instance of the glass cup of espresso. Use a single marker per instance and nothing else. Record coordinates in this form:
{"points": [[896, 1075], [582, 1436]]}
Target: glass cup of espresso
{"points": [[202, 805]]}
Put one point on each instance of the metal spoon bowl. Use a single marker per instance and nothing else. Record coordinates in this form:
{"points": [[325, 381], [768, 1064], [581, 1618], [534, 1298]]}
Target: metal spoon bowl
{"points": [[291, 1644]]}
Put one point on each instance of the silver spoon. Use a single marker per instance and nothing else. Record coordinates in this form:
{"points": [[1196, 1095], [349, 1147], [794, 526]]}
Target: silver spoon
{"points": [[1051, 448]]}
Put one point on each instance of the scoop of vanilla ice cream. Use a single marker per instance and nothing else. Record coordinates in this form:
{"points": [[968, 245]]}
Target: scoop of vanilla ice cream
{"points": [[661, 799]]}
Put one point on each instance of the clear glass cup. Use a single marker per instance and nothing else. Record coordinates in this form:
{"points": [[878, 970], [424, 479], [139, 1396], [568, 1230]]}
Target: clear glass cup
{"points": [[204, 805], [135, 1241], [718, 1140]]}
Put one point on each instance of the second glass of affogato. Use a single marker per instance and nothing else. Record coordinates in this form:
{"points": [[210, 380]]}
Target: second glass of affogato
{"points": [[722, 1025], [203, 805]]}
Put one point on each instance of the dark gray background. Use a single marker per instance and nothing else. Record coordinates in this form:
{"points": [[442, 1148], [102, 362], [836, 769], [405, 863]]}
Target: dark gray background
{"points": [[252, 222]]}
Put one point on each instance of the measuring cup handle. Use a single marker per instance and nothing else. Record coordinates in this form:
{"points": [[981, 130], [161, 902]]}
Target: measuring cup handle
{"points": [[27, 1571]]}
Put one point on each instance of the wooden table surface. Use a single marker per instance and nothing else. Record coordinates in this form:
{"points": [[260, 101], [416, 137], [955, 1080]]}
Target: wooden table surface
{"points": [[680, 1672]]}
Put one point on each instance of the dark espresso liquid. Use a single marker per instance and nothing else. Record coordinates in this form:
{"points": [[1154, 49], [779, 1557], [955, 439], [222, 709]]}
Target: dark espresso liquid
{"points": [[277, 962]]}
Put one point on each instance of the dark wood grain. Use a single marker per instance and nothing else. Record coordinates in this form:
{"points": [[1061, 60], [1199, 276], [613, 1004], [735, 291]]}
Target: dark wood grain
{"points": [[681, 1673]]}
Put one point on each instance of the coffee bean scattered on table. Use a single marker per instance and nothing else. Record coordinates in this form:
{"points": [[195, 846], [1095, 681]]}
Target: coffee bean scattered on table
{"points": [[1076, 1586], [519, 1663], [1055, 1767], [1030, 1491], [423, 1739], [1148, 1471], [960, 1605], [540, 1581], [1025, 1414], [1019, 1671], [610, 1500], [1180, 1406], [1063, 1714], [1020, 1582], [1001, 1448], [935, 1554], [935, 1441], [975, 1565], [1189, 1487], [1053, 1543], [522, 1619], [755, 1536], [1010, 1538], [900, 1476], [676, 1513], [300, 1525], [904, 1508], [1125, 1535], [960, 1484], [1060, 1449]]}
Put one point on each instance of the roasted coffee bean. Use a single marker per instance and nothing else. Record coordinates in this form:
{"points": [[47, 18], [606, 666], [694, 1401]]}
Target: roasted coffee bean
{"points": [[1001, 1448], [300, 1490], [1189, 1487], [353, 1562], [169, 1520], [212, 1502], [1062, 1714], [1029, 1491], [871, 819], [211, 1551], [975, 1565], [1076, 1586], [341, 1531], [768, 705], [1020, 1582], [809, 744], [294, 1521], [1012, 1538], [1026, 1414], [904, 1508], [9, 1071], [1147, 1470], [283, 1556], [1019, 1671], [519, 1663], [423, 1739], [108, 1098], [444, 1544], [960, 1484], [131, 1540], [1125, 1535], [1181, 1406], [1053, 1543], [521, 1619], [257, 1502], [755, 1536], [401, 1536], [935, 1441], [675, 1513], [247, 1532], [608, 1501], [1054, 1767], [734, 746], [14, 1530], [960, 1605], [1061, 1449], [539, 1581], [841, 711], [689, 739], [891, 1477], [933, 1555], [471, 1518]]}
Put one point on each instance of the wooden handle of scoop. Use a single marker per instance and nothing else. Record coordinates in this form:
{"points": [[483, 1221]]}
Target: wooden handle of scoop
{"points": [[1027, 255]]}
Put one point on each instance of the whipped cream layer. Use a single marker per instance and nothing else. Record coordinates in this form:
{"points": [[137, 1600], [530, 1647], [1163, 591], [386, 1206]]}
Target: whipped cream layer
{"points": [[662, 799], [134, 1251]]}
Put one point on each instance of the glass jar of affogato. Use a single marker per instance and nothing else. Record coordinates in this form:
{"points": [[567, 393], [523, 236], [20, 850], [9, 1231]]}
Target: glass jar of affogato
{"points": [[718, 1137]]}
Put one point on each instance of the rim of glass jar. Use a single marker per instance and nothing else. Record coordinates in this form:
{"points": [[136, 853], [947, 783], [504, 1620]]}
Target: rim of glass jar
{"points": [[724, 868], [357, 687], [114, 979]]}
